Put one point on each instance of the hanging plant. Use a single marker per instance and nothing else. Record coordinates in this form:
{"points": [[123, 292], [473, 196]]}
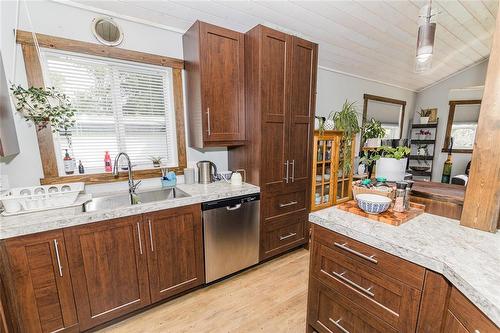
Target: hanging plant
{"points": [[346, 120], [44, 107]]}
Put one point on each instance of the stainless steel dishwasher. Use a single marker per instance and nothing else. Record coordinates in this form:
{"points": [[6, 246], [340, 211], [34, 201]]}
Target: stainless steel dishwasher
{"points": [[231, 232]]}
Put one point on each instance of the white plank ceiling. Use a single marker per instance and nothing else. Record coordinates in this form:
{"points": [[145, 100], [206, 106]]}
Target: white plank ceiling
{"points": [[371, 39]]}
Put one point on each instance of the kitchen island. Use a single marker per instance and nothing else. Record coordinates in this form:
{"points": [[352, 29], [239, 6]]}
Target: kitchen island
{"points": [[469, 259]]}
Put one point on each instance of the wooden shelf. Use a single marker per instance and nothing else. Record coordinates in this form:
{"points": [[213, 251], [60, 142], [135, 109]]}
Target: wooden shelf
{"points": [[422, 158], [430, 125], [422, 142], [419, 173]]}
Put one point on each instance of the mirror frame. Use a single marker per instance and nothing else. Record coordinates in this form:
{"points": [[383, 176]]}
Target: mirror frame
{"points": [[368, 97], [449, 124]]}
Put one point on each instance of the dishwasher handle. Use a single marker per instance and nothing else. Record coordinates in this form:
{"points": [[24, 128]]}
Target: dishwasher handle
{"points": [[235, 207]]}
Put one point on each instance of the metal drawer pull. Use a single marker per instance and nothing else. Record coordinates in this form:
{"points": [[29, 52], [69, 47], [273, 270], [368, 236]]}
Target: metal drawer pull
{"points": [[354, 284], [58, 258], [139, 236], [151, 236], [364, 256], [291, 203], [293, 170], [476, 331], [286, 177], [208, 121], [288, 236], [337, 323]]}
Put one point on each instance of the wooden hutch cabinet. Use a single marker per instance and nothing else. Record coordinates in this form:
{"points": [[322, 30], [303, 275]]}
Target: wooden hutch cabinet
{"points": [[329, 186], [215, 95], [280, 95]]}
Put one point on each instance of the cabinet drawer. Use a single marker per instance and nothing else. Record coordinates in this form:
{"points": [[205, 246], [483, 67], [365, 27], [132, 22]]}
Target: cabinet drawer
{"points": [[330, 311], [387, 298], [470, 316], [405, 271], [282, 203], [283, 234]]}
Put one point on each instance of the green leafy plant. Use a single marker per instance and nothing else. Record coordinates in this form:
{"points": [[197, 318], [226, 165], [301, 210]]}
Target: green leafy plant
{"points": [[45, 106], [156, 160], [373, 129], [397, 153], [346, 120], [424, 112], [369, 158]]}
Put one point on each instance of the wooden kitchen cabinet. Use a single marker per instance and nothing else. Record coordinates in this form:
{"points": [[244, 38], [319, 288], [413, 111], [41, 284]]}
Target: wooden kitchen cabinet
{"points": [[38, 284], [108, 269], [280, 90], [175, 251], [215, 83]]}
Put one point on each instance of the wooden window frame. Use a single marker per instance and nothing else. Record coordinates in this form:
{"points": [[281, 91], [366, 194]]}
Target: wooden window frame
{"points": [[44, 135], [451, 115], [368, 97]]}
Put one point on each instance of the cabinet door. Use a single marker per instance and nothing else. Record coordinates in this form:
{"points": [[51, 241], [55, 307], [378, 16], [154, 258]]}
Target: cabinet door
{"points": [[276, 47], [453, 325], [222, 81], [302, 99], [175, 251], [41, 284], [108, 269]]}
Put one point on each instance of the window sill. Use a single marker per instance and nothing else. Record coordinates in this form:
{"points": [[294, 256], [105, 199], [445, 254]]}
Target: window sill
{"points": [[100, 178]]}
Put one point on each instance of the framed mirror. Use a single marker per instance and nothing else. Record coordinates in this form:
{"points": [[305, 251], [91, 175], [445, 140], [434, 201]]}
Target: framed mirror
{"points": [[389, 111], [461, 126], [107, 31]]}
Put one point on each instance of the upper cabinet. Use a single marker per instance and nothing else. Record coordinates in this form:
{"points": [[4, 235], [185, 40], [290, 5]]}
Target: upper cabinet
{"points": [[215, 96]]}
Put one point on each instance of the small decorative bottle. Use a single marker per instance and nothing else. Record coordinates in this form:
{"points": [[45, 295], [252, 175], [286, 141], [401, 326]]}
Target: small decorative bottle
{"points": [[69, 164], [81, 169], [409, 185], [107, 162], [399, 202]]}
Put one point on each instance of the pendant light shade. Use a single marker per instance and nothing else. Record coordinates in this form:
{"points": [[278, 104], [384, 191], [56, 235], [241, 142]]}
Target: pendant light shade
{"points": [[425, 39]]}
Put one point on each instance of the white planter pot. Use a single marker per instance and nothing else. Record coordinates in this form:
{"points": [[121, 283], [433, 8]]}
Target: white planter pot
{"points": [[374, 142], [392, 169], [329, 125], [424, 120]]}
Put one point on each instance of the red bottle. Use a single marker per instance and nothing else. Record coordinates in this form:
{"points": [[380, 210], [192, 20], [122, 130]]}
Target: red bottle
{"points": [[107, 163]]}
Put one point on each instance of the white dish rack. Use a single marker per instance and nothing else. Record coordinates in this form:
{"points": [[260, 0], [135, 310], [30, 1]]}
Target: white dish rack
{"points": [[36, 198]]}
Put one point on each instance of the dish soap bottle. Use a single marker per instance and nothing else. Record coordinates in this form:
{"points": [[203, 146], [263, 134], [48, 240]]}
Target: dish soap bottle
{"points": [[81, 169], [107, 162], [69, 164]]}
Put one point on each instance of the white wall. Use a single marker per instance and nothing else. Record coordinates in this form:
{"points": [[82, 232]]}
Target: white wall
{"points": [[334, 88], [437, 96], [64, 21]]}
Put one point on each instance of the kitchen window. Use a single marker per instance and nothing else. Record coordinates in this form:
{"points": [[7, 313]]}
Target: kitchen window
{"points": [[120, 107]]}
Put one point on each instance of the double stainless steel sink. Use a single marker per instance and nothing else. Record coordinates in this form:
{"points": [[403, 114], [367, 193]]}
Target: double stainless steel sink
{"points": [[123, 199]]}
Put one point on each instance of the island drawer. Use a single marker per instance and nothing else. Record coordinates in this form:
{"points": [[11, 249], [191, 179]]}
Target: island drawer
{"points": [[397, 268], [467, 314], [385, 297], [332, 312]]}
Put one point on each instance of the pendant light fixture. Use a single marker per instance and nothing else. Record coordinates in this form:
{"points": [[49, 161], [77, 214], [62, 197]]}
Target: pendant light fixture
{"points": [[425, 39]]}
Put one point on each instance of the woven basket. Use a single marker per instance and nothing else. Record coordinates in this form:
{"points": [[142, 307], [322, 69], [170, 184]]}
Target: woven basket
{"points": [[361, 190]]}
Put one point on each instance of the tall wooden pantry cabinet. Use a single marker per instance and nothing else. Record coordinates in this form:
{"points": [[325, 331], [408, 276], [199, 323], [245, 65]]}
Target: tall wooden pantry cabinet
{"points": [[280, 90]]}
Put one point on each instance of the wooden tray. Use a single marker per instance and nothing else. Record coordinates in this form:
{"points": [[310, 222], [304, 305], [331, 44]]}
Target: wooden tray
{"points": [[389, 216]]}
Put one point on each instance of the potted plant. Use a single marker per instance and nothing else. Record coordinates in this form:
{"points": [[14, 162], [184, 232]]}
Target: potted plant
{"points": [[156, 161], [392, 162], [346, 120], [45, 107], [424, 115], [373, 132], [366, 162]]}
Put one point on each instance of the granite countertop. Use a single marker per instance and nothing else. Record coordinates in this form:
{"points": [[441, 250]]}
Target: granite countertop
{"points": [[31, 223], [468, 258]]}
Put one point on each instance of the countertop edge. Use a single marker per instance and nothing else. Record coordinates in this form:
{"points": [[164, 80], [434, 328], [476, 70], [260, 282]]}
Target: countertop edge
{"points": [[99, 216], [491, 310]]}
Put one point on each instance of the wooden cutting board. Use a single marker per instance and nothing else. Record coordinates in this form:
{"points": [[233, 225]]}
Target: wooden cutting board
{"points": [[389, 216]]}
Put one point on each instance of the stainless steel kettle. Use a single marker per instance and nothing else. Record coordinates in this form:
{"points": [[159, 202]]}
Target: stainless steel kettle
{"points": [[205, 174]]}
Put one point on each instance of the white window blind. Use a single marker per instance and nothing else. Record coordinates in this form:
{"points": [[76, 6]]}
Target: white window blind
{"points": [[120, 107]]}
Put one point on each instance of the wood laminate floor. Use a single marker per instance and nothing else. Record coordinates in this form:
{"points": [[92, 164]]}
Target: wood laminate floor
{"points": [[269, 298]]}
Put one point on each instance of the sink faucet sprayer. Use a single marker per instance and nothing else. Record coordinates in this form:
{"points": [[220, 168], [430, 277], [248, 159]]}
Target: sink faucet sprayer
{"points": [[131, 185]]}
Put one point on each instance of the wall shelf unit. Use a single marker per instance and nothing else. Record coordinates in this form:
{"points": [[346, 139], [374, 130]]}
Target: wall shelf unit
{"points": [[417, 144]]}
